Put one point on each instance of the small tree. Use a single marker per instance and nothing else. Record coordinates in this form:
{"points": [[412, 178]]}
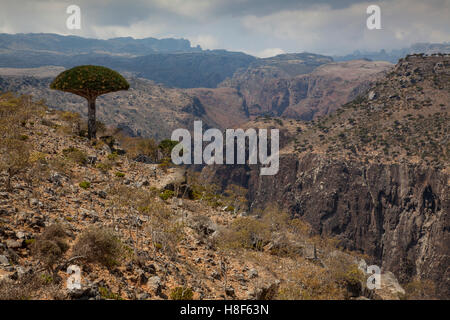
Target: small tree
{"points": [[166, 147], [90, 82], [14, 158]]}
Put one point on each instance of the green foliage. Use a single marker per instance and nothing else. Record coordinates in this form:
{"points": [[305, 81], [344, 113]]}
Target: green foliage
{"points": [[181, 293], [85, 185], [229, 209], [104, 166], [165, 164], [30, 242], [47, 279], [166, 194], [49, 123], [113, 156], [119, 174], [166, 146], [89, 81], [105, 293]]}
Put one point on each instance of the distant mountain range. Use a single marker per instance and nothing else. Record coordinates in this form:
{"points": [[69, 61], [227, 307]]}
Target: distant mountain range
{"points": [[126, 46], [224, 89], [171, 62], [394, 55]]}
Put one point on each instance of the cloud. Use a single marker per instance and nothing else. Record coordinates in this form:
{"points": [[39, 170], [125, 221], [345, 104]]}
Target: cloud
{"points": [[324, 29], [205, 41], [323, 26], [269, 52]]}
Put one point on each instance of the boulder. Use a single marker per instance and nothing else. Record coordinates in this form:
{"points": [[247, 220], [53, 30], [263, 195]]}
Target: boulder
{"points": [[4, 260], [390, 288], [154, 284]]}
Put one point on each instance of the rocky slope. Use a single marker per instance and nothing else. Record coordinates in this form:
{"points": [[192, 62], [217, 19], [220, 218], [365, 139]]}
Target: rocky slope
{"points": [[398, 214], [375, 173], [317, 89], [145, 231]]}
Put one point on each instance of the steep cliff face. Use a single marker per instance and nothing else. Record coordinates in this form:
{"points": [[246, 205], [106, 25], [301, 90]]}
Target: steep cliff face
{"points": [[305, 95], [375, 173], [398, 214]]}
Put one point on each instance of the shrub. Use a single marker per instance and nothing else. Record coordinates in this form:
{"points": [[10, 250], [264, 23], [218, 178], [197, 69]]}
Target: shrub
{"points": [[119, 174], [346, 274], [165, 164], [14, 158], [165, 231], [419, 290], [181, 293], [105, 293], [136, 146], [166, 147], [247, 233], [85, 185], [48, 123], [75, 155], [104, 166], [37, 156], [310, 282], [113, 156], [166, 194], [22, 289], [69, 116], [51, 245], [99, 245]]}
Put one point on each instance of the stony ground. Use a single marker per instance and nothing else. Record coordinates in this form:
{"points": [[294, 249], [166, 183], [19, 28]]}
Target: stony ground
{"points": [[177, 242]]}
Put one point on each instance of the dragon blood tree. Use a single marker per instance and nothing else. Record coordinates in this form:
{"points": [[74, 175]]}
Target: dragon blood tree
{"points": [[90, 82]]}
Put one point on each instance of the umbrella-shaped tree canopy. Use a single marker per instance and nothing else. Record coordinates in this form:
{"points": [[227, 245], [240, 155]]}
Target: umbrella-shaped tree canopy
{"points": [[90, 82]]}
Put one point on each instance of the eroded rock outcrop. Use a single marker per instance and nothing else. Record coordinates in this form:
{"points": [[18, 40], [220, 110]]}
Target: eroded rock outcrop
{"points": [[397, 213]]}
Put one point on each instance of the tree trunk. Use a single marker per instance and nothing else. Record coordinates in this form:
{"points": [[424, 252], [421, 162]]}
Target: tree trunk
{"points": [[8, 181], [92, 127]]}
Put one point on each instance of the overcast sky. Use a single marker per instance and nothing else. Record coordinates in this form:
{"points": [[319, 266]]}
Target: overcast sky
{"points": [[258, 27]]}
